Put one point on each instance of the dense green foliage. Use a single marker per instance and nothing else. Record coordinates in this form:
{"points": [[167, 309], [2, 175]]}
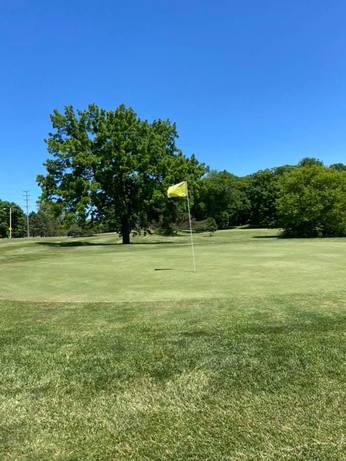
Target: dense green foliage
{"points": [[262, 194], [312, 201], [113, 165], [109, 171], [305, 200], [45, 223], [338, 166], [222, 196]]}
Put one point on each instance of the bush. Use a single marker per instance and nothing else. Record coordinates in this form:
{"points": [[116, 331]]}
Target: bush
{"points": [[211, 225], [167, 230], [206, 225]]}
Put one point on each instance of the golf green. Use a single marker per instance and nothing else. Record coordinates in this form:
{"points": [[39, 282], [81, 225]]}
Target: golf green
{"points": [[229, 263]]}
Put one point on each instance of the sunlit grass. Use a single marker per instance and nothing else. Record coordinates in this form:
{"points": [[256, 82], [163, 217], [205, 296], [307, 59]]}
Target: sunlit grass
{"points": [[254, 375]]}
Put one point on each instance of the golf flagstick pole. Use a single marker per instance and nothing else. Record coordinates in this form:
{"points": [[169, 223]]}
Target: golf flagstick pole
{"points": [[192, 247]]}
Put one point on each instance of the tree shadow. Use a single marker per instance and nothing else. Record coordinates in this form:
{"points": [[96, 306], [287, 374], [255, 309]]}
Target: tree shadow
{"points": [[156, 243], [186, 271], [72, 244], [267, 237], [79, 243]]}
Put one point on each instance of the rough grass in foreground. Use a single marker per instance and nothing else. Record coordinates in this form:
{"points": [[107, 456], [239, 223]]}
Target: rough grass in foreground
{"points": [[244, 379]]}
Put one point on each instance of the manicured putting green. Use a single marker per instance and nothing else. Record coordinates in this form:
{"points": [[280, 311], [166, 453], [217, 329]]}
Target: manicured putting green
{"points": [[229, 263]]}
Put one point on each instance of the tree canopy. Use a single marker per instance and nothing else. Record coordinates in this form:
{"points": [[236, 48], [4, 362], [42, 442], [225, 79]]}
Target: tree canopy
{"points": [[262, 192], [312, 201], [222, 196], [112, 164]]}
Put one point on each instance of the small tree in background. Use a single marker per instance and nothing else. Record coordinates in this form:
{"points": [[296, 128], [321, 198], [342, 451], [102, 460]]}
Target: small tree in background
{"points": [[211, 225], [46, 222], [18, 220], [338, 167]]}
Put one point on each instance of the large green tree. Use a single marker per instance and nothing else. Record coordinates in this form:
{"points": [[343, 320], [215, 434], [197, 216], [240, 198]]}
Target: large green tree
{"points": [[262, 192], [312, 201], [222, 197], [113, 165]]}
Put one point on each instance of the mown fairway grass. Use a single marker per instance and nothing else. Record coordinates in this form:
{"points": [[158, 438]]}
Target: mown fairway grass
{"points": [[105, 358]]}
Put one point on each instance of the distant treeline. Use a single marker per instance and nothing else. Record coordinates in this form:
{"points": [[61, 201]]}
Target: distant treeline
{"points": [[305, 200], [308, 199]]}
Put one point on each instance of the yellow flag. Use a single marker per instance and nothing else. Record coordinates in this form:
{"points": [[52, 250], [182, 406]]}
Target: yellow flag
{"points": [[178, 190]]}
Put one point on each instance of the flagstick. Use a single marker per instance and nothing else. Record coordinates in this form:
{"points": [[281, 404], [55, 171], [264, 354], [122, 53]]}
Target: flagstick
{"points": [[192, 247]]}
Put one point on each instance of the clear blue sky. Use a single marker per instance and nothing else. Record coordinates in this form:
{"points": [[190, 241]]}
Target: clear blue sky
{"points": [[251, 84]]}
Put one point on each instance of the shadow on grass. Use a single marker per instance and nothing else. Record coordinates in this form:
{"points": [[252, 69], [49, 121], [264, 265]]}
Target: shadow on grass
{"points": [[267, 237], [81, 244], [72, 244], [156, 243]]}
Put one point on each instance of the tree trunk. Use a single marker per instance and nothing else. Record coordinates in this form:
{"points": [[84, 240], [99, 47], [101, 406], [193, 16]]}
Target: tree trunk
{"points": [[125, 231]]}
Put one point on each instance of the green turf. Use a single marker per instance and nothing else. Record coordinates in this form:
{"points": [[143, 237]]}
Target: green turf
{"points": [[230, 263], [244, 360]]}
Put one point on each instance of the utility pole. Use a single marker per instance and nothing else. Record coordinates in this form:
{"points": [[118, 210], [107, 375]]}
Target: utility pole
{"points": [[10, 226], [26, 198]]}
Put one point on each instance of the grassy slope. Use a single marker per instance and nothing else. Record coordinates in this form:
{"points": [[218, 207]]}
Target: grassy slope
{"points": [[257, 375]]}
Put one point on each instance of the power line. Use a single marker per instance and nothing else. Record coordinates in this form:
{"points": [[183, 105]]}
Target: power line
{"points": [[10, 226], [26, 198]]}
